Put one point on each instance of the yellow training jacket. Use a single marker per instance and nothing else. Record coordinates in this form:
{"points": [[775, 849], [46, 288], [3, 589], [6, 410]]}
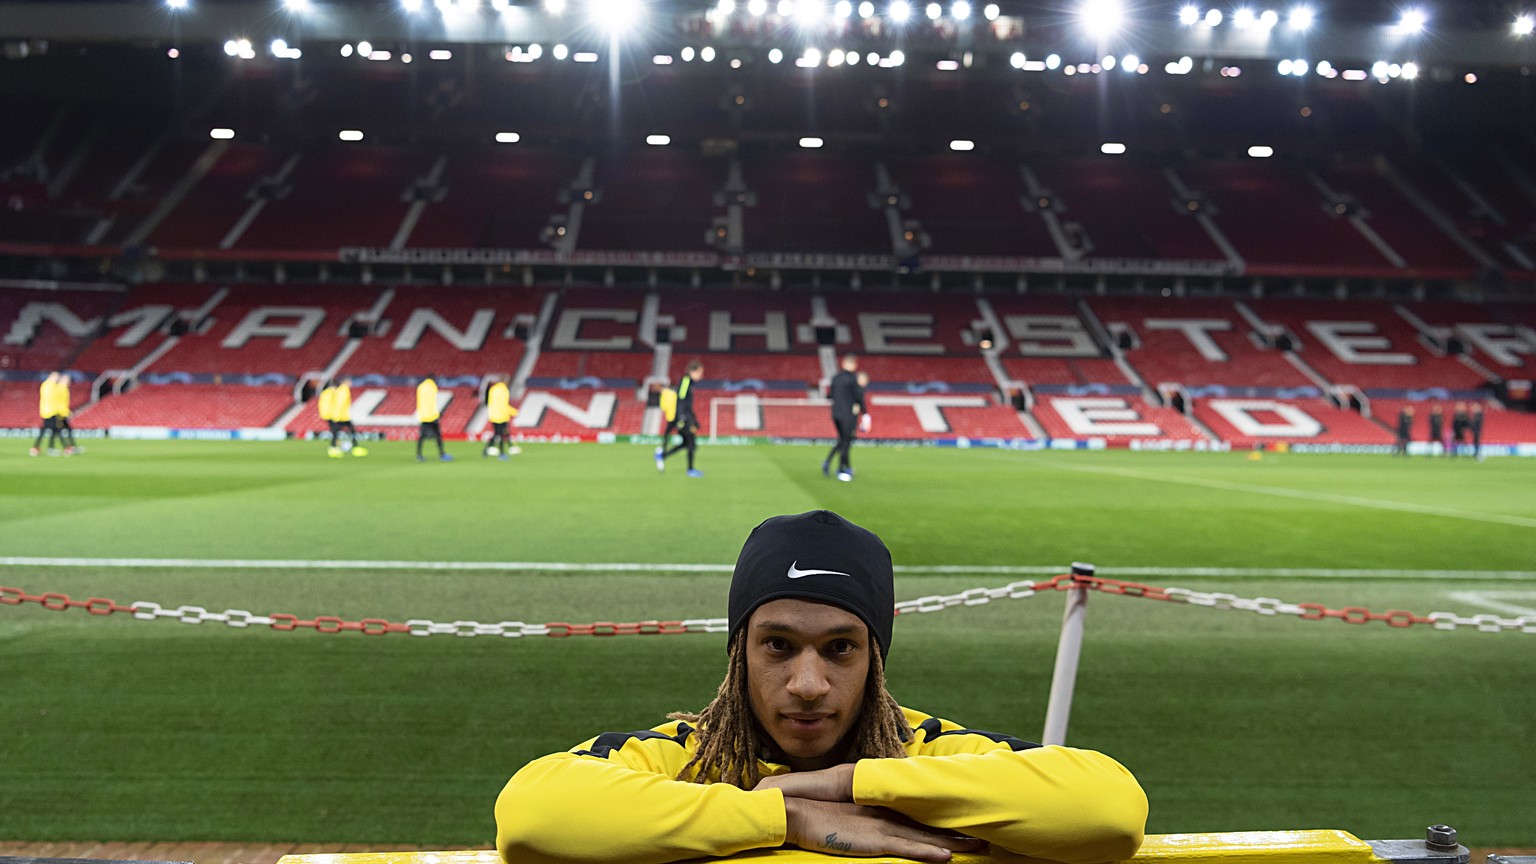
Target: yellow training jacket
{"points": [[341, 404], [498, 406], [61, 398], [426, 401], [45, 399], [325, 404], [614, 799]]}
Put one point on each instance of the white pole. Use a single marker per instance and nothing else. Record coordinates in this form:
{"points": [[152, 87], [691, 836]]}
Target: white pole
{"points": [[1070, 647], [714, 415]]}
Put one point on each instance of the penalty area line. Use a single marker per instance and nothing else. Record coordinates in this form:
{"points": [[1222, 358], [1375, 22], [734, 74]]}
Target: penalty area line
{"points": [[664, 567]]}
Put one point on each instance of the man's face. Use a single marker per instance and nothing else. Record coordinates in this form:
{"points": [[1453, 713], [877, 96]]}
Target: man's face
{"points": [[807, 663]]}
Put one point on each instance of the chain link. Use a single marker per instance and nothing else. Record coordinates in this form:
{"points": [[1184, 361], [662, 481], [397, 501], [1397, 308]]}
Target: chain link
{"points": [[1267, 606]]}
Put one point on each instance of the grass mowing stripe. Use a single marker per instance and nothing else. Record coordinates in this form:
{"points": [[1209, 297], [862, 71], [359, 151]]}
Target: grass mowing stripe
{"points": [[1489, 600], [1302, 495], [658, 567]]}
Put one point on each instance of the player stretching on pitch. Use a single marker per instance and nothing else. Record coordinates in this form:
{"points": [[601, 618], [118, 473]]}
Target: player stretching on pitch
{"points": [[803, 746], [428, 415], [685, 421], [499, 410]]}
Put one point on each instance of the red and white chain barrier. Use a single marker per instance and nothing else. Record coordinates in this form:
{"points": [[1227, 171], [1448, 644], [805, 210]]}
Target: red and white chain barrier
{"points": [[147, 611]]}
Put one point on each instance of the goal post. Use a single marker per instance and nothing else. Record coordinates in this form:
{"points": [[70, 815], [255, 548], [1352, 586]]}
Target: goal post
{"points": [[748, 410]]}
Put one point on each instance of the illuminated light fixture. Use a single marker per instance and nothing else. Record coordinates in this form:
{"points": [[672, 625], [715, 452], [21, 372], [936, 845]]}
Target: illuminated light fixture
{"points": [[1112, 149], [411, 5], [811, 143], [1189, 16], [899, 11], [350, 135], [1355, 75], [221, 134], [991, 11], [687, 54], [1101, 18], [1285, 67], [380, 56], [279, 47], [852, 59], [405, 58], [866, 9], [934, 11], [662, 59], [1130, 63], [960, 11], [1017, 60], [707, 54], [554, 7], [961, 146], [469, 5], [346, 50], [364, 48], [508, 137], [231, 48], [757, 8], [1183, 66], [810, 11], [725, 8], [872, 59], [440, 54], [1033, 66], [244, 50], [1413, 21], [1108, 62], [585, 56], [775, 56], [843, 9], [948, 65], [1260, 151], [811, 59], [1070, 70], [1410, 71], [658, 140], [896, 58], [1242, 19], [1301, 18], [176, 4], [1268, 19], [1325, 69], [1524, 25], [501, 6], [1470, 78], [735, 63], [1299, 68], [296, 5], [1053, 61], [1213, 18], [835, 57], [173, 53], [786, 8], [1379, 69], [1394, 71], [615, 16]]}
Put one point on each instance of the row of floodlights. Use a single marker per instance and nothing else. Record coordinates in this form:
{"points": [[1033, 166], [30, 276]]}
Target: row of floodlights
{"points": [[959, 145], [1100, 18]]}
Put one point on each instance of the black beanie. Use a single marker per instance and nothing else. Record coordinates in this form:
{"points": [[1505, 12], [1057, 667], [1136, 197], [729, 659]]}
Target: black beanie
{"points": [[816, 556]]}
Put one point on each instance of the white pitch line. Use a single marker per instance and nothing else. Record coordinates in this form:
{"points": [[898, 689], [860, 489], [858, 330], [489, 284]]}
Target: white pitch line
{"points": [[662, 567], [1488, 600], [1304, 495]]}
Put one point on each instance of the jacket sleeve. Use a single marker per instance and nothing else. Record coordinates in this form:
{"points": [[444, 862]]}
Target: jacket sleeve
{"points": [[1056, 803], [626, 807]]}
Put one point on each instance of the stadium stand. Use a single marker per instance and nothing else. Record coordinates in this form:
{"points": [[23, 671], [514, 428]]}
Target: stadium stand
{"points": [[455, 331], [190, 406], [1196, 342], [1246, 422]]}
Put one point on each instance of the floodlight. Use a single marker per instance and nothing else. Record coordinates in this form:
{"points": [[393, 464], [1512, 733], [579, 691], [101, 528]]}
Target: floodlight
{"points": [[501, 6], [757, 8], [1053, 62], [279, 47], [686, 53], [811, 143], [725, 8], [1268, 19], [960, 11], [1112, 149], [585, 57], [1260, 151], [365, 48], [1284, 67], [173, 53], [1130, 63], [616, 16], [440, 54], [707, 54], [1410, 71], [221, 134], [899, 11], [411, 5], [244, 49], [1524, 25], [872, 59], [658, 140], [176, 4], [507, 137], [1379, 69], [1108, 62], [1242, 19], [991, 11], [1301, 18], [1189, 16], [1213, 18], [810, 11], [960, 145], [231, 47], [775, 56], [1101, 18], [350, 135], [554, 7], [843, 9], [297, 5], [1017, 60], [895, 59], [786, 8], [812, 58], [934, 11], [1413, 20], [866, 9], [1299, 68]]}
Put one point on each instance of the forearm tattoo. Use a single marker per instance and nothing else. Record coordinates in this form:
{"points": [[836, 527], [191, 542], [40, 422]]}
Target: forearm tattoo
{"points": [[831, 842]]}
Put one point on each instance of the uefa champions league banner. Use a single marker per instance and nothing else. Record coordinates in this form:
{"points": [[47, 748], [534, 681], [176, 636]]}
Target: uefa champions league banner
{"points": [[165, 433]]}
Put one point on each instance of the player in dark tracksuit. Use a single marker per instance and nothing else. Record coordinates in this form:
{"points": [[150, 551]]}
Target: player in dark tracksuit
{"points": [[847, 405], [1436, 429], [1404, 431], [1461, 424], [685, 421]]}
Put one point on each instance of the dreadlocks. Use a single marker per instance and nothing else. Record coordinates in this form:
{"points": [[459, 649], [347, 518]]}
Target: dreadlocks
{"points": [[731, 740]]}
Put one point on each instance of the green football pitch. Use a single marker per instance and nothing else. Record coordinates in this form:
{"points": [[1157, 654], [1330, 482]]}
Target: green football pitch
{"points": [[119, 729]]}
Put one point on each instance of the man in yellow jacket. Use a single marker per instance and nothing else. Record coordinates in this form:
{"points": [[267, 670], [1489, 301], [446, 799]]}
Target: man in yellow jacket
{"points": [[499, 410], [325, 406], [428, 415], [47, 412], [802, 745], [341, 420]]}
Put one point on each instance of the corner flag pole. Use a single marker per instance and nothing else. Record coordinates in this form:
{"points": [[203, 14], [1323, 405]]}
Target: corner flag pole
{"points": [[1070, 647]]}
